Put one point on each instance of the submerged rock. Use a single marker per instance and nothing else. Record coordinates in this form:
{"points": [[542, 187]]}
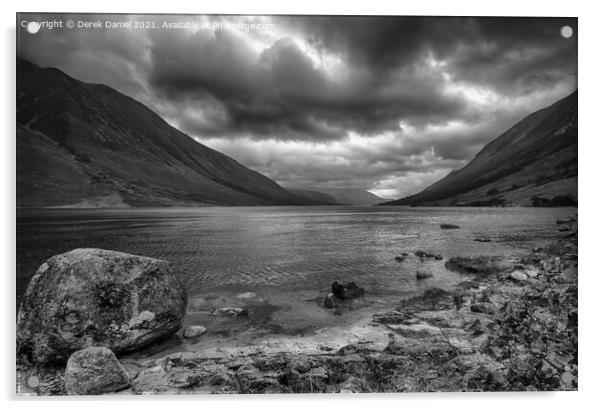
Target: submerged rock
{"points": [[194, 331], [94, 371], [329, 301], [93, 297], [347, 291], [422, 275], [484, 307], [233, 311], [449, 226], [423, 254]]}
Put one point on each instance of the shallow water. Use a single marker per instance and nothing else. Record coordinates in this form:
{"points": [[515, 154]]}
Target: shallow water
{"points": [[278, 261]]}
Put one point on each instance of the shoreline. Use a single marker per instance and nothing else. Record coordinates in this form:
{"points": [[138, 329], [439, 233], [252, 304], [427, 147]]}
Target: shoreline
{"points": [[469, 339], [511, 326]]}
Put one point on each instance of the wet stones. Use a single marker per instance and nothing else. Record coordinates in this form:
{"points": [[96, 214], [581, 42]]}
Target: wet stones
{"points": [[346, 291], [94, 371], [230, 311], [194, 331]]}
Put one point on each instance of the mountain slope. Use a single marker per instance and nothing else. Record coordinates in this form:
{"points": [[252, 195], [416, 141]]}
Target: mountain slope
{"points": [[351, 196], [320, 197], [344, 196], [84, 144], [537, 157]]}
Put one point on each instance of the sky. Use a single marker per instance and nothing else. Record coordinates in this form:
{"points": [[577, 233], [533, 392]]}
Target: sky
{"points": [[382, 103]]}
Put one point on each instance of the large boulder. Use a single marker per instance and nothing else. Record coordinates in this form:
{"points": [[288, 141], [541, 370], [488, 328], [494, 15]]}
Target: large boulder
{"points": [[94, 297], [94, 371]]}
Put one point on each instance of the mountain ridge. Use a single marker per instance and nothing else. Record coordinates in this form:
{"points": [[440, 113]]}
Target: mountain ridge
{"points": [[118, 148], [532, 163]]}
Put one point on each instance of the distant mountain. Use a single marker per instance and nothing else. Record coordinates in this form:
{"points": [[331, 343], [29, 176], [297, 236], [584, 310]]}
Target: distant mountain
{"points": [[344, 196], [87, 145], [533, 163], [321, 198]]}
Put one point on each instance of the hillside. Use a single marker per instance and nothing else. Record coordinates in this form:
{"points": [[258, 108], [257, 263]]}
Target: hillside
{"points": [[87, 145], [344, 196], [533, 163]]}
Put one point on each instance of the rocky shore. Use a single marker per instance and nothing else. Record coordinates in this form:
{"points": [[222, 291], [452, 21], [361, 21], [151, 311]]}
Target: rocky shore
{"points": [[510, 326]]}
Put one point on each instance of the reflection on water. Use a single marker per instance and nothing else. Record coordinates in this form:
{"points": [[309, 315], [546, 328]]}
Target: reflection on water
{"points": [[287, 255]]}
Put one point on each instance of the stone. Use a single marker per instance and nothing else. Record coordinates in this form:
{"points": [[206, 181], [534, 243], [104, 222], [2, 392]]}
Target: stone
{"points": [[399, 258], [422, 275], [152, 380], [194, 331], [93, 297], [232, 311], [449, 226], [329, 301], [94, 371], [484, 307], [438, 257], [424, 254], [568, 379], [518, 275], [347, 291]]}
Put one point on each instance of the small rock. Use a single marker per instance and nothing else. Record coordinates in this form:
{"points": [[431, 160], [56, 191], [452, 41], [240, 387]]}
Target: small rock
{"points": [[481, 240], [423, 254], [194, 331], [235, 312], [518, 275], [399, 258], [438, 257], [151, 380], [94, 371], [449, 226], [422, 275], [568, 379], [329, 301], [346, 291], [484, 308]]}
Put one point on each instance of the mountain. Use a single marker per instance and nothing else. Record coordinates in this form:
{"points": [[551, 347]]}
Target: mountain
{"points": [[345, 196], [532, 163], [320, 197], [87, 145]]}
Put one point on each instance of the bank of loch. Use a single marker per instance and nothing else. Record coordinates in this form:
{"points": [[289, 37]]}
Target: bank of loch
{"points": [[511, 325]]}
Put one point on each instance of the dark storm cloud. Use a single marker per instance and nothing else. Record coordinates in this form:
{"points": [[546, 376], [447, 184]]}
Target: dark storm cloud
{"points": [[384, 103], [279, 93], [500, 51]]}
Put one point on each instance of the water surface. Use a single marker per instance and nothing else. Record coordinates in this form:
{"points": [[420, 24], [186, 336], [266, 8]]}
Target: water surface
{"points": [[278, 261]]}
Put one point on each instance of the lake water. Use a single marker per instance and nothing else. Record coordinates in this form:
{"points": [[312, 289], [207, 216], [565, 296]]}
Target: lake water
{"points": [[280, 261]]}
